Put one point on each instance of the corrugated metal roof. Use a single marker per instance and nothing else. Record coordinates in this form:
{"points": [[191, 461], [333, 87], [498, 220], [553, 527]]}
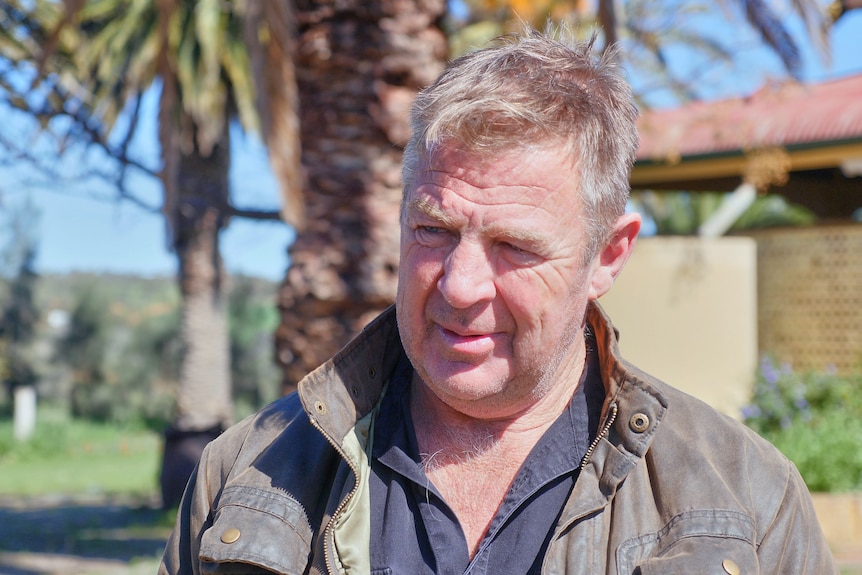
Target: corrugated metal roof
{"points": [[777, 115]]}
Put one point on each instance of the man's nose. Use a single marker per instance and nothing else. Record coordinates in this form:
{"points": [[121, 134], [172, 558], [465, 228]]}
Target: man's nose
{"points": [[468, 276]]}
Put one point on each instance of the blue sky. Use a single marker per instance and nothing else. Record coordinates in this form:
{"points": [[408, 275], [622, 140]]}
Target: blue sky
{"points": [[82, 228], [80, 233]]}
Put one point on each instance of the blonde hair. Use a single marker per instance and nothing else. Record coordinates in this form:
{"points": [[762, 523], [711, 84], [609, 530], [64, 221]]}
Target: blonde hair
{"points": [[535, 90]]}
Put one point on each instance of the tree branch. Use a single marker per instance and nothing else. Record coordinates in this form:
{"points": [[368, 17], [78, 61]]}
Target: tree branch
{"points": [[85, 134], [253, 214]]}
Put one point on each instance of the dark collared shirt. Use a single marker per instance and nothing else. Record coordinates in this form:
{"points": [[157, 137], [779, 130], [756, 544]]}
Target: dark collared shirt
{"points": [[413, 530]]}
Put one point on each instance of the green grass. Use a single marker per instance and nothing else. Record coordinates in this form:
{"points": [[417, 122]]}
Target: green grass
{"points": [[83, 494], [66, 456]]}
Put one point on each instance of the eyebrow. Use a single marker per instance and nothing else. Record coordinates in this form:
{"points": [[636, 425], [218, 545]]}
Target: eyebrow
{"points": [[433, 211], [529, 237]]}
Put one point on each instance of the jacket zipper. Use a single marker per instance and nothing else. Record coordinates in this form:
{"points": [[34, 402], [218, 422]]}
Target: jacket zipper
{"points": [[327, 559], [605, 429]]}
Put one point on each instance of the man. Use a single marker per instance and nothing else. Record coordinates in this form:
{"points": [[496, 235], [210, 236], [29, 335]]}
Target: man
{"points": [[487, 424]]}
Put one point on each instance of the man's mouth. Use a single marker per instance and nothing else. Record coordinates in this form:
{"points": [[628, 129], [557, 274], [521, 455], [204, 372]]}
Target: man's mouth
{"points": [[469, 342]]}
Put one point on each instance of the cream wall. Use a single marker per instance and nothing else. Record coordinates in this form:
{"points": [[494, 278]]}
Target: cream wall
{"points": [[686, 309]]}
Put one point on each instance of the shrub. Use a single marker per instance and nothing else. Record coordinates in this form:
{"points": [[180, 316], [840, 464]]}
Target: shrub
{"points": [[123, 355], [815, 419], [121, 371], [253, 321]]}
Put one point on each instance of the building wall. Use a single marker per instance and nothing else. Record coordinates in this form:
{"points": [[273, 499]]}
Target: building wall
{"points": [[686, 309]]}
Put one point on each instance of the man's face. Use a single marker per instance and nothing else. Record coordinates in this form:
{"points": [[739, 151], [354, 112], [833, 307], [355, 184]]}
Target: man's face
{"points": [[492, 287]]}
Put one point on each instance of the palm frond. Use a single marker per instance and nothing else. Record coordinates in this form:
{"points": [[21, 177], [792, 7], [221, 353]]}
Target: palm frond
{"points": [[234, 60], [269, 32], [774, 34], [206, 98], [817, 24]]}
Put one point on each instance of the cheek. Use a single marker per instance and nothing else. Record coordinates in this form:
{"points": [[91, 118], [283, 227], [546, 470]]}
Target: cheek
{"points": [[540, 303], [529, 293], [418, 272]]}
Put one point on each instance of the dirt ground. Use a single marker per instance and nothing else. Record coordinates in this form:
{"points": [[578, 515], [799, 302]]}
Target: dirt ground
{"points": [[93, 535]]}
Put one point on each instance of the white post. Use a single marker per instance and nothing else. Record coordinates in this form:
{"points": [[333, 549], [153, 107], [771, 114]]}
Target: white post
{"points": [[25, 412], [734, 204]]}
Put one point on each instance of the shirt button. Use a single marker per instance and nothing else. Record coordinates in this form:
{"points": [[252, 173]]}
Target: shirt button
{"points": [[730, 567], [230, 535]]}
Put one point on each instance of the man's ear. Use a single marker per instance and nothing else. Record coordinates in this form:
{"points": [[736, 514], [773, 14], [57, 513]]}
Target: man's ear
{"points": [[609, 262]]}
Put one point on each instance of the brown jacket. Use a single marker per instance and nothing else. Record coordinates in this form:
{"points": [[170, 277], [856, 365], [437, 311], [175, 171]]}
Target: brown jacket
{"points": [[670, 486]]}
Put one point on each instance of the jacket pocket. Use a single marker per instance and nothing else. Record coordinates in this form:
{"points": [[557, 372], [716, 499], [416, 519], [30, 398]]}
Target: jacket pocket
{"points": [[256, 531], [698, 541]]}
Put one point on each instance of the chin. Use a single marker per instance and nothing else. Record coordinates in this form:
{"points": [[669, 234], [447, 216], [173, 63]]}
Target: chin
{"points": [[466, 385]]}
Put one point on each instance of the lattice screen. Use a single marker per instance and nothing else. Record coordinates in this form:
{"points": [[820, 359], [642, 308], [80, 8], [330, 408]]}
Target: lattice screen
{"points": [[810, 296]]}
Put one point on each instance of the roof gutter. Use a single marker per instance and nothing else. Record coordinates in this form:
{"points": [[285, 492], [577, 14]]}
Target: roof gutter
{"points": [[651, 173]]}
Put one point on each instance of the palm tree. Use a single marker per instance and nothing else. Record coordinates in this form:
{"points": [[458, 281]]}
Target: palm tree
{"points": [[358, 68], [91, 62]]}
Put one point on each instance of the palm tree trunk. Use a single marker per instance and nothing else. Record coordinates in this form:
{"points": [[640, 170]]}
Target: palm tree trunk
{"points": [[358, 68], [204, 403], [204, 394]]}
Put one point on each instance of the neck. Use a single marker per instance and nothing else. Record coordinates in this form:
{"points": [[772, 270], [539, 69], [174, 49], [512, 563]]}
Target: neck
{"points": [[473, 460], [449, 434]]}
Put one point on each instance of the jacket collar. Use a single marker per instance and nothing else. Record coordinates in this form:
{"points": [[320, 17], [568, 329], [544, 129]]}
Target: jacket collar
{"points": [[626, 386], [347, 387], [632, 413]]}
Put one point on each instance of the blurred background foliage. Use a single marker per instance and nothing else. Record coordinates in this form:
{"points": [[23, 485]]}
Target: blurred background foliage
{"points": [[106, 348], [18, 308], [116, 346], [813, 418], [681, 213]]}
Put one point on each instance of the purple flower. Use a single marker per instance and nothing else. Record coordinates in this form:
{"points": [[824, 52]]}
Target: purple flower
{"points": [[768, 371], [750, 411]]}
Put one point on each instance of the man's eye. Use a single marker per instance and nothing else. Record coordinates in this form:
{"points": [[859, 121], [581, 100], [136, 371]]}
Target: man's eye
{"points": [[521, 255], [516, 249], [430, 234], [430, 231]]}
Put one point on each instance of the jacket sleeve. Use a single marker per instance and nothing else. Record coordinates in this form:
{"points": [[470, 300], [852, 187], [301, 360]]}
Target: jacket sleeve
{"points": [[193, 518], [794, 543]]}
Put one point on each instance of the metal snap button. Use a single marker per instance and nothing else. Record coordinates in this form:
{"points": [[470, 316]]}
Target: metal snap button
{"points": [[230, 535], [639, 423], [730, 567], [320, 407]]}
